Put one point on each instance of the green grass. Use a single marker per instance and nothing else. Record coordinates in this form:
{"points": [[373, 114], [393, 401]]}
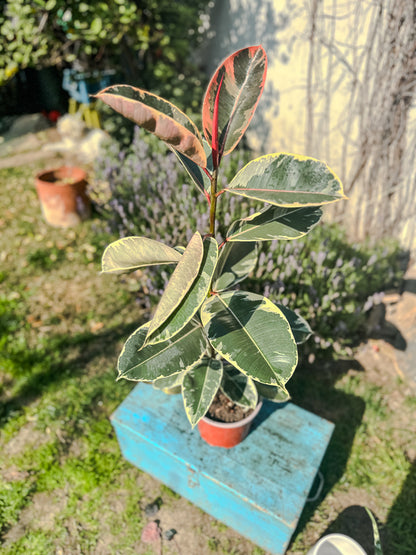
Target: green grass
{"points": [[63, 482]]}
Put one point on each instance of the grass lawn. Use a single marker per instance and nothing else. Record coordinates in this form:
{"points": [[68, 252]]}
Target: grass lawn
{"points": [[64, 487]]}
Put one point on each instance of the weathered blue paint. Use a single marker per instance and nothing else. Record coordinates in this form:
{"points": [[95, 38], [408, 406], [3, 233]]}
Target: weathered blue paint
{"points": [[258, 488]]}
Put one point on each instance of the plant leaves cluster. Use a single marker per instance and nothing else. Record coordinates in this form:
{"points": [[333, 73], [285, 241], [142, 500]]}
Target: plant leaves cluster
{"points": [[204, 335]]}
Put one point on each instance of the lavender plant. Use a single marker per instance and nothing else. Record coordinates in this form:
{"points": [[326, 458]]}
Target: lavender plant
{"points": [[202, 322]]}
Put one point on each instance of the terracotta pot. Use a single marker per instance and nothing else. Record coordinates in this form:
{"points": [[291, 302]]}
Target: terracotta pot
{"points": [[62, 195], [224, 434]]}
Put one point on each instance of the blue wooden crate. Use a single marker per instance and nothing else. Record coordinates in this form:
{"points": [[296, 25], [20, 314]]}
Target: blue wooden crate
{"points": [[258, 488]]}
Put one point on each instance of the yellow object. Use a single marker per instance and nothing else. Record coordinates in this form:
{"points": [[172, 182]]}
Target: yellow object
{"points": [[88, 112]]}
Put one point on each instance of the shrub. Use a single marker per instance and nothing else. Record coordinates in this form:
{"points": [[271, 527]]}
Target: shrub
{"points": [[331, 282], [152, 41]]}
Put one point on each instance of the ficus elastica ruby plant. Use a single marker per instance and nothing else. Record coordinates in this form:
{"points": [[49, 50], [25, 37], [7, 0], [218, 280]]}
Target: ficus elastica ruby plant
{"points": [[207, 335]]}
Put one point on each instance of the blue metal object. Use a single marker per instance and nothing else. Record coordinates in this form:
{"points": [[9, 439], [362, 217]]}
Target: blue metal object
{"points": [[81, 85], [258, 488]]}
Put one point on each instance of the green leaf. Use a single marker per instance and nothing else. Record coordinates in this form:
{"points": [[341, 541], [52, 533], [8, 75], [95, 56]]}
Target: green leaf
{"points": [[170, 382], [275, 222], [199, 386], [300, 327], [180, 282], [131, 253], [193, 298], [198, 176], [241, 77], [272, 393], [239, 388], [140, 362], [235, 262], [251, 333], [287, 180], [96, 25], [160, 117]]}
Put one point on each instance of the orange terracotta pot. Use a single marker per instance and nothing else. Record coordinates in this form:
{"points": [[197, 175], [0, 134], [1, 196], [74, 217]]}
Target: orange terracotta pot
{"points": [[224, 434], [62, 195]]}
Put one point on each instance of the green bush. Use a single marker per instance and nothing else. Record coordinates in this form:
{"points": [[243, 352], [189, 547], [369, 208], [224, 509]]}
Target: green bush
{"points": [[151, 42], [332, 283]]}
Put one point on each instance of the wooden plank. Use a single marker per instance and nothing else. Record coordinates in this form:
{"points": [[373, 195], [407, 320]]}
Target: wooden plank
{"points": [[258, 488]]}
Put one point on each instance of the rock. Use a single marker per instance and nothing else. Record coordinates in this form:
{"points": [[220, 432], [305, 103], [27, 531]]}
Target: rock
{"points": [[168, 535], [152, 508]]}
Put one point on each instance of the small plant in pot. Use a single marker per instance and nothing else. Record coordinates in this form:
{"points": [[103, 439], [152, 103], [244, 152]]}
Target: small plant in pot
{"points": [[220, 345]]}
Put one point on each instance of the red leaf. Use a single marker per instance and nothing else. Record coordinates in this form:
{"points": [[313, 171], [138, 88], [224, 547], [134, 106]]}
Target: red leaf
{"points": [[215, 146], [242, 76]]}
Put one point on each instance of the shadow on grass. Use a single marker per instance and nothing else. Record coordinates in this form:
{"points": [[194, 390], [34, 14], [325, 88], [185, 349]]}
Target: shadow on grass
{"points": [[400, 525], [312, 388], [355, 523], [49, 366]]}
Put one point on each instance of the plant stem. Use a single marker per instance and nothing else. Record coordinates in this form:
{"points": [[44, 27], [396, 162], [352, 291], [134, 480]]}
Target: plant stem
{"points": [[213, 205]]}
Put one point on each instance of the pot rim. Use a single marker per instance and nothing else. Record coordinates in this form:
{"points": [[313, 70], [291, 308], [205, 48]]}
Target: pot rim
{"points": [[239, 423], [72, 168]]}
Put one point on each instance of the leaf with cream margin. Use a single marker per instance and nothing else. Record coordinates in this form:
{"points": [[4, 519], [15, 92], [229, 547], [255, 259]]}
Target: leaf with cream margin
{"points": [[275, 222], [180, 282], [252, 334], [141, 362], [238, 82], [199, 387], [235, 262], [195, 172], [157, 115], [287, 180], [193, 298], [131, 253], [239, 388], [170, 382], [299, 326], [273, 393]]}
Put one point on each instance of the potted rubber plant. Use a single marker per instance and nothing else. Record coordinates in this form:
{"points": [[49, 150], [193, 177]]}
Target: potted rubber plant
{"points": [[223, 347]]}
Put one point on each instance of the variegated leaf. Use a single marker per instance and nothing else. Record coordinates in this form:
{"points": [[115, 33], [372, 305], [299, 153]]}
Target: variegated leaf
{"points": [[131, 253], [170, 382], [287, 180], [160, 117], [180, 282], [252, 334], [198, 176], [235, 262], [193, 298], [275, 222], [273, 393], [300, 327], [199, 386], [239, 388], [240, 80], [140, 362]]}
